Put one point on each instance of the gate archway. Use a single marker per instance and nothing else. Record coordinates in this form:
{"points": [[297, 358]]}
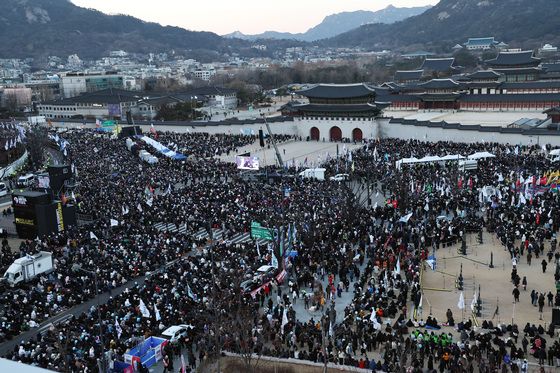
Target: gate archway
{"points": [[335, 133], [357, 134], [315, 134]]}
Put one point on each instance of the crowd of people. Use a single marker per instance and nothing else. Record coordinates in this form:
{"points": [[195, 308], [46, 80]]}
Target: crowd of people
{"points": [[343, 246]]}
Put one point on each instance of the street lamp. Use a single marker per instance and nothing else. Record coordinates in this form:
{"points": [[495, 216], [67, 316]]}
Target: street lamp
{"points": [[194, 100], [102, 362]]}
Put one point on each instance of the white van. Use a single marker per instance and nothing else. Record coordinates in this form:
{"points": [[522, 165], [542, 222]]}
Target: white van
{"points": [[25, 181], [554, 155], [313, 173]]}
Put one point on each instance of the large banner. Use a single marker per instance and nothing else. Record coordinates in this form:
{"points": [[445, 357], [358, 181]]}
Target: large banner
{"points": [[247, 163]]}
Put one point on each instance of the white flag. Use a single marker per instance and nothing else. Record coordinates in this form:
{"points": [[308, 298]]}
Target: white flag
{"points": [[284, 319], [144, 310], [114, 223], [191, 294], [473, 303], [92, 236], [156, 311], [397, 267], [139, 207], [124, 210], [118, 328], [461, 303], [183, 365]]}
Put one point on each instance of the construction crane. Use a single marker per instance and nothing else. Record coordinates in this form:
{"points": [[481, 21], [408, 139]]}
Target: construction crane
{"points": [[278, 156]]}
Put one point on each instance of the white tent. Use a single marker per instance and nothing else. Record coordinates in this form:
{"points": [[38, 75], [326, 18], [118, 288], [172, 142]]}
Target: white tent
{"points": [[405, 161], [429, 159], [451, 157], [481, 155], [554, 152]]}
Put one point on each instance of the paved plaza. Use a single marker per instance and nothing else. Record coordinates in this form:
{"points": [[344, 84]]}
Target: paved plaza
{"points": [[294, 151], [490, 118]]}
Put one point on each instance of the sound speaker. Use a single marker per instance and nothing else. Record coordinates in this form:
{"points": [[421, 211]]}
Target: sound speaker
{"points": [[556, 316], [261, 138]]}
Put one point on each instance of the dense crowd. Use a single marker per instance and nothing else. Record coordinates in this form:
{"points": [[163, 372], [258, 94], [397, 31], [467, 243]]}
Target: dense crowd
{"points": [[342, 245]]}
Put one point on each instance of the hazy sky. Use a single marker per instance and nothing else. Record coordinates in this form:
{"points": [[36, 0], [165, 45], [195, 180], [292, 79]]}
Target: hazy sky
{"points": [[247, 16]]}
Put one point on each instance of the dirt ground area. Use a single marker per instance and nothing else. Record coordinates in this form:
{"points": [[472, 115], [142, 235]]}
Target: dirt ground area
{"points": [[440, 292]]}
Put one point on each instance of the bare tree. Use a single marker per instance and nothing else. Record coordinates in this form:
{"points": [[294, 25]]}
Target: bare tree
{"points": [[37, 141]]}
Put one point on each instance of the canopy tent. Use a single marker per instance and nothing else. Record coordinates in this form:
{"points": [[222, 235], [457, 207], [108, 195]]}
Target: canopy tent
{"points": [[162, 149], [406, 161], [481, 155], [453, 157], [429, 159]]}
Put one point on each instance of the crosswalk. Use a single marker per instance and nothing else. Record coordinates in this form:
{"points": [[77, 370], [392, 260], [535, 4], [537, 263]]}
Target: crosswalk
{"points": [[201, 234]]}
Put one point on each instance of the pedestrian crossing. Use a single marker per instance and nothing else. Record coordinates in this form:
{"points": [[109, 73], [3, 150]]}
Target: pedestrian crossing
{"points": [[202, 234]]}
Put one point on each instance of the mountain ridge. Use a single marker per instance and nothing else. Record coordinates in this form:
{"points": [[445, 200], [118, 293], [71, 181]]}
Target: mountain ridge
{"points": [[519, 22], [338, 23], [58, 27]]}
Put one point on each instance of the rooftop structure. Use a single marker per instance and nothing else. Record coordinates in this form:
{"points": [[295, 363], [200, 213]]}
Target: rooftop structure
{"points": [[480, 43], [514, 60]]}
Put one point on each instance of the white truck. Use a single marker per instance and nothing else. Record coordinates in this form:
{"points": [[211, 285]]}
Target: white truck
{"points": [[313, 173], [554, 155], [28, 267]]}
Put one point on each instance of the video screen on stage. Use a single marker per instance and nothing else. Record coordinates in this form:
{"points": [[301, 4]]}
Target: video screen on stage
{"points": [[247, 163]]}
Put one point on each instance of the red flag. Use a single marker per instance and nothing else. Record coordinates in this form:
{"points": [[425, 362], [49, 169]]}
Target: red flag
{"points": [[470, 183], [153, 130], [460, 183]]}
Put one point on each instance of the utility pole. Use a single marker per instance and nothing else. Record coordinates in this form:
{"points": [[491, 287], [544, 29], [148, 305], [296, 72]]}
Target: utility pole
{"points": [[216, 334], [278, 156], [324, 340], [102, 362]]}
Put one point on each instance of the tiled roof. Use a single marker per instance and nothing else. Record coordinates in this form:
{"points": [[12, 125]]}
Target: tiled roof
{"points": [[338, 91]]}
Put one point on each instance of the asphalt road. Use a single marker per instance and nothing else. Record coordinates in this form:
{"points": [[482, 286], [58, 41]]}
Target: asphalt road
{"points": [[74, 311]]}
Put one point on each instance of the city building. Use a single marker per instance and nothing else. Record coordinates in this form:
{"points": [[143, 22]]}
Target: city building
{"points": [[204, 74], [73, 84], [15, 98], [114, 103], [480, 43], [106, 104], [215, 97]]}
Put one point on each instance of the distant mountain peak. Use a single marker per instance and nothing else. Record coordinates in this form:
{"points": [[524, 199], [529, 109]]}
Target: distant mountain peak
{"points": [[33, 28], [452, 22], [339, 23]]}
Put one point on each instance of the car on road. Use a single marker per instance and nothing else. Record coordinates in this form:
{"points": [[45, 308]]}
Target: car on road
{"points": [[3, 189], [266, 273], [249, 285], [339, 177], [25, 181], [173, 333]]}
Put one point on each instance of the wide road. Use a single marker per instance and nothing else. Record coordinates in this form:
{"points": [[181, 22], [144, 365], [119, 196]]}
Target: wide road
{"points": [[74, 311]]}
